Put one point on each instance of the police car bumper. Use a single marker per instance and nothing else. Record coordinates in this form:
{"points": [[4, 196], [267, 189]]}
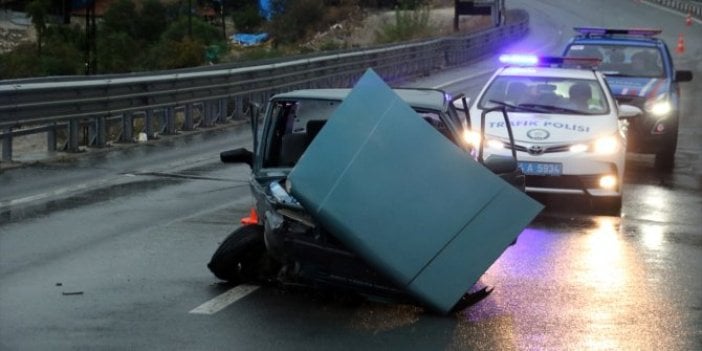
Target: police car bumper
{"points": [[593, 176]]}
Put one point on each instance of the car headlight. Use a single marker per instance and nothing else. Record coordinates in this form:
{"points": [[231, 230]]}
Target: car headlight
{"points": [[659, 106], [602, 146], [606, 145], [473, 138]]}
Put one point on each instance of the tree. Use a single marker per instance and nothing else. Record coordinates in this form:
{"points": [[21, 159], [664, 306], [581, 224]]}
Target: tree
{"points": [[38, 10], [152, 20]]}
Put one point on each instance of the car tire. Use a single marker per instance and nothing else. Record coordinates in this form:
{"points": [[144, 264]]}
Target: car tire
{"points": [[665, 157], [608, 206], [237, 259]]}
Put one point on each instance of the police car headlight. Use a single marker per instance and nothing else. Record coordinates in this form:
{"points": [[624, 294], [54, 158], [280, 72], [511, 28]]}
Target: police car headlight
{"points": [[659, 106], [606, 145], [471, 138]]}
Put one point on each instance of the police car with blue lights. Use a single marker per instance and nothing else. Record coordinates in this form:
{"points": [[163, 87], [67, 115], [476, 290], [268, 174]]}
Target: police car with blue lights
{"points": [[640, 72], [569, 136]]}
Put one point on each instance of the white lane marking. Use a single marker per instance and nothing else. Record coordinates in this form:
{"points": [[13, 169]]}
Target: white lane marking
{"points": [[225, 299], [673, 11]]}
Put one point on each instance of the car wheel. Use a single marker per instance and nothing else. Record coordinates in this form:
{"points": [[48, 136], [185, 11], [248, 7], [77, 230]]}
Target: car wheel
{"points": [[665, 157], [236, 260], [608, 206]]}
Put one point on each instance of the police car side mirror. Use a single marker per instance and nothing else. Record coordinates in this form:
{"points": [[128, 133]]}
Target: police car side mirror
{"points": [[628, 111], [683, 76]]}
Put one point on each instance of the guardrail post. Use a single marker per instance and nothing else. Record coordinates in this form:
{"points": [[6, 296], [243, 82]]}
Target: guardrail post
{"points": [[238, 107], [73, 126], [99, 132], [206, 115], [51, 138], [223, 110], [127, 135], [188, 124], [149, 124], [7, 145]]}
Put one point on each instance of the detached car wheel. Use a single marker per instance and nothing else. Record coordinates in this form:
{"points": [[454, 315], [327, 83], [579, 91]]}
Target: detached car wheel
{"points": [[237, 258], [608, 206]]}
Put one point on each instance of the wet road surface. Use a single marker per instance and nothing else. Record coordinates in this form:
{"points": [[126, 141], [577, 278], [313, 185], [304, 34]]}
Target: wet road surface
{"points": [[110, 251]]}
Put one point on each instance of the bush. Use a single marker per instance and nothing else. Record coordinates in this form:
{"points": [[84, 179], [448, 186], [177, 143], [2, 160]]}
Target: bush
{"points": [[408, 25], [202, 31], [247, 19], [295, 19], [183, 53], [152, 20], [22, 62]]}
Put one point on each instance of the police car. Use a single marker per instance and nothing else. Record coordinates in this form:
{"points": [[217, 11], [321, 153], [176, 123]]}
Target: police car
{"points": [[567, 127], [640, 72]]}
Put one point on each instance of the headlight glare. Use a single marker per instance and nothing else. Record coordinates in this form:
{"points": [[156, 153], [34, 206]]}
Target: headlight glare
{"points": [[659, 106], [606, 145], [471, 138], [579, 148], [495, 144]]}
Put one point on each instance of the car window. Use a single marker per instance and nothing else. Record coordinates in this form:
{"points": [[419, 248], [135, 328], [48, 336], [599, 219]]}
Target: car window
{"points": [[295, 123], [622, 60], [546, 95]]}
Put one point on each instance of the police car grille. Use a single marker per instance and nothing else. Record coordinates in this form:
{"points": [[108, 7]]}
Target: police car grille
{"points": [[549, 149], [563, 182]]}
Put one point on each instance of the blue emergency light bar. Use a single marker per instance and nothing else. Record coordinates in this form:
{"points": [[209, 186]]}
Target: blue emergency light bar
{"points": [[549, 61], [598, 31]]}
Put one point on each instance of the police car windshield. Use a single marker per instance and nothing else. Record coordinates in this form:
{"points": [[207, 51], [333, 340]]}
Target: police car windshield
{"points": [[546, 95], [622, 60]]}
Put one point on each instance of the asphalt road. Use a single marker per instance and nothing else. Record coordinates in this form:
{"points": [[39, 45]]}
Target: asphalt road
{"points": [[107, 250]]}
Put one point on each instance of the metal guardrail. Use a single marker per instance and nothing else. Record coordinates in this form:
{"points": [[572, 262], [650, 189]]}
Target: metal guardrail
{"points": [[86, 110], [694, 8]]}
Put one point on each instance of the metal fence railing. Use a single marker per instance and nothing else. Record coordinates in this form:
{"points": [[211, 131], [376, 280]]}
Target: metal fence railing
{"points": [[94, 110]]}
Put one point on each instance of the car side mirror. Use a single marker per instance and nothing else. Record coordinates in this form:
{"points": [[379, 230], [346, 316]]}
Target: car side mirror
{"points": [[240, 155], [683, 76], [628, 111]]}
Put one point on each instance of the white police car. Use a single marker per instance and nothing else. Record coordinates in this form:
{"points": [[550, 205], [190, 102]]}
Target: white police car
{"points": [[568, 129]]}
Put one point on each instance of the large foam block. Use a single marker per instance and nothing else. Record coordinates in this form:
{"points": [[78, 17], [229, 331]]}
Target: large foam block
{"points": [[405, 198]]}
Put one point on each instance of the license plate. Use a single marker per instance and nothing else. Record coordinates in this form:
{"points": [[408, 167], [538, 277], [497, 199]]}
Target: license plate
{"points": [[541, 168]]}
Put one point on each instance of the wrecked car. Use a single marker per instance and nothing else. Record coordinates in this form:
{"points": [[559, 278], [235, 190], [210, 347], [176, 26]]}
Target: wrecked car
{"points": [[373, 191]]}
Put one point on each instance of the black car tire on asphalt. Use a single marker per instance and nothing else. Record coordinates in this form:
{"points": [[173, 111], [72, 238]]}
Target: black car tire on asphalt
{"points": [[608, 206], [665, 157], [237, 259]]}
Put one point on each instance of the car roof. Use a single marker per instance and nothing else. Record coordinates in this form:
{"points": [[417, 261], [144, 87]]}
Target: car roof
{"points": [[432, 99], [554, 72]]}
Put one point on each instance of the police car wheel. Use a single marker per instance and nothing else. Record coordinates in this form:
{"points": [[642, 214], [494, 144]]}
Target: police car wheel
{"points": [[236, 259], [608, 206]]}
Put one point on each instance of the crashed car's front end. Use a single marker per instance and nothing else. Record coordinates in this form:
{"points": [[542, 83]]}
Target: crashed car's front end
{"points": [[379, 201]]}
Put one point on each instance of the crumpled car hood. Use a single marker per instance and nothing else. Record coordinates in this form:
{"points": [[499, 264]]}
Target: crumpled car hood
{"points": [[406, 199]]}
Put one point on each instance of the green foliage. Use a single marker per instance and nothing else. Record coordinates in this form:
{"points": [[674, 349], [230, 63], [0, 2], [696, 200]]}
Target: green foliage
{"points": [[295, 19], [408, 25], [203, 32], [183, 53], [38, 11], [121, 17], [117, 52], [247, 19], [21, 62], [152, 20]]}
